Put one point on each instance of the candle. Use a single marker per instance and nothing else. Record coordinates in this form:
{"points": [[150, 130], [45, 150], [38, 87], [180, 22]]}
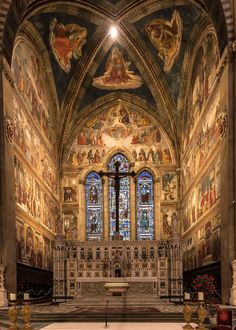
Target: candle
{"points": [[200, 296], [186, 296], [26, 296], [12, 296]]}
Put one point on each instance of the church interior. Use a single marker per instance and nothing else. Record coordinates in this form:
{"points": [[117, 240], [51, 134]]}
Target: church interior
{"points": [[118, 157]]}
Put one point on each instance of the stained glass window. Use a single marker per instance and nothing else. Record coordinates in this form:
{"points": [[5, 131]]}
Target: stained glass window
{"points": [[124, 199], [94, 210], [145, 206]]}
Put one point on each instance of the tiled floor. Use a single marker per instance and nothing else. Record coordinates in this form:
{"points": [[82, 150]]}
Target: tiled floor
{"points": [[115, 326]]}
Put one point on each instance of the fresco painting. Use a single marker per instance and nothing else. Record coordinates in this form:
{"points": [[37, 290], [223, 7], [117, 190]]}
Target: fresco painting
{"points": [[30, 245], [170, 222], [49, 213], [120, 126], [31, 82], [206, 139], [203, 198], [66, 42], [33, 149], [117, 74], [203, 247], [204, 73], [47, 264], [38, 245], [70, 194], [70, 225], [30, 197], [28, 191], [166, 36], [169, 186], [20, 241]]}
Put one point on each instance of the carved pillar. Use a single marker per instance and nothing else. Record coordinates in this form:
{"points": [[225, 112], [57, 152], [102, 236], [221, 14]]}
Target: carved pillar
{"points": [[133, 216], [106, 223]]}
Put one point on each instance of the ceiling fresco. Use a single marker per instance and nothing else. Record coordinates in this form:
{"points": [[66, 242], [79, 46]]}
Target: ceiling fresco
{"points": [[147, 63], [67, 39], [119, 74], [175, 27]]}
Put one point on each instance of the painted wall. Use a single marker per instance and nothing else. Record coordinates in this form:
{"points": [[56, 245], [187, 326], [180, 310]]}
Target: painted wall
{"points": [[202, 159], [28, 109]]}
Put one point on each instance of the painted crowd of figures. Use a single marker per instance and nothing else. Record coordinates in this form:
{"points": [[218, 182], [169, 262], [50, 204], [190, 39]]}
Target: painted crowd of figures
{"points": [[124, 127], [31, 81], [206, 139], [203, 246], [203, 75], [32, 198], [203, 197], [32, 247], [32, 147]]}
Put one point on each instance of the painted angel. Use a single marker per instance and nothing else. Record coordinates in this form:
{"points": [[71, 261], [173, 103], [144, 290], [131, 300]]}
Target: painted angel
{"points": [[166, 37], [66, 42]]}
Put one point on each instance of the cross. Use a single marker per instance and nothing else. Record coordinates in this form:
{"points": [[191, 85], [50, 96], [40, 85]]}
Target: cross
{"points": [[117, 176]]}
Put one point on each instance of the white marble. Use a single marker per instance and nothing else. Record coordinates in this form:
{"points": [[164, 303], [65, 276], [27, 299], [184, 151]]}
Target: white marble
{"points": [[116, 326]]}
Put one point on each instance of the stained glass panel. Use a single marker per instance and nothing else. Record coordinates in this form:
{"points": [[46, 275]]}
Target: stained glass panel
{"points": [[94, 209], [145, 206], [124, 199]]}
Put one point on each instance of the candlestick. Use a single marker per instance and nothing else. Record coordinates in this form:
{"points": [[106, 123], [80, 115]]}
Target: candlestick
{"points": [[202, 313], [187, 311], [26, 312], [12, 314], [200, 296]]}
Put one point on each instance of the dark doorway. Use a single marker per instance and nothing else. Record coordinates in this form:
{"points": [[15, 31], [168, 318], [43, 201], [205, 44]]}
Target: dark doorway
{"points": [[117, 272]]}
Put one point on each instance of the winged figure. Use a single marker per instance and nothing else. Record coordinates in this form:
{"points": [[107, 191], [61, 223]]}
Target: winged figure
{"points": [[166, 37], [66, 42]]}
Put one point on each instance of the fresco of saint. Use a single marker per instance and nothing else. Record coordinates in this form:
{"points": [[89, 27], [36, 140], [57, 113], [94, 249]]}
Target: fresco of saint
{"points": [[117, 74], [66, 42], [166, 38]]}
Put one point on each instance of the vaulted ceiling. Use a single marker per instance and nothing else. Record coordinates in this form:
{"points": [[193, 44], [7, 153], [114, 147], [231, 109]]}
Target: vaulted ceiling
{"points": [[154, 46]]}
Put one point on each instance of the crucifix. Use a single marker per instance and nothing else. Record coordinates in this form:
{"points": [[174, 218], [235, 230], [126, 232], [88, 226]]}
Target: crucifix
{"points": [[117, 176]]}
